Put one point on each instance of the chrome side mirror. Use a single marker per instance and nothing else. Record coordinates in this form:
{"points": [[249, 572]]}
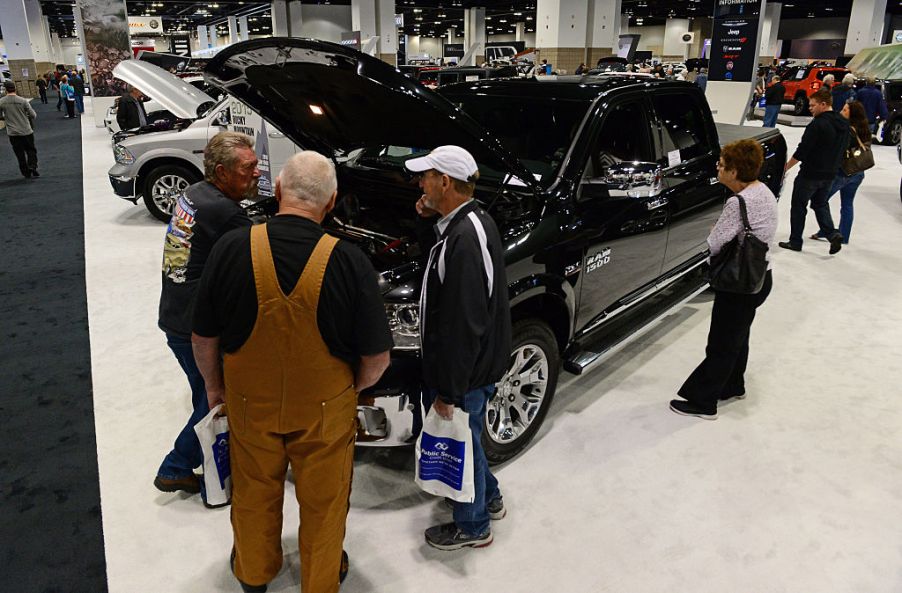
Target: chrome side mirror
{"points": [[629, 175]]}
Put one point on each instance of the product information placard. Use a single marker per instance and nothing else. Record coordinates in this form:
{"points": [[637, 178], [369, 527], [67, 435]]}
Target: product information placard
{"points": [[734, 46]]}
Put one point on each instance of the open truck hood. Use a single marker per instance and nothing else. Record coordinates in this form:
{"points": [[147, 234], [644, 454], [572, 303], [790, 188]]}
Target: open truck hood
{"points": [[174, 94], [334, 99]]}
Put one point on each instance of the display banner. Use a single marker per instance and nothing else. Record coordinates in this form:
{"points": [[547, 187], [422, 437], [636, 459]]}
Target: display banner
{"points": [[145, 24], [626, 46], [351, 39], [734, 45], [265, 186], [453, 50], [106, 43], [180, 45]]}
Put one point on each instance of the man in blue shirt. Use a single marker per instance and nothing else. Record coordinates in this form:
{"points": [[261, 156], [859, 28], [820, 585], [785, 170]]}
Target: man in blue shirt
{"points": [[874, 104]]}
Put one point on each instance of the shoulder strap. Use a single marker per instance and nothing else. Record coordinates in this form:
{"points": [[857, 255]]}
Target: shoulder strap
{"points": [[311, 280], [744, 213], [264, 268]]}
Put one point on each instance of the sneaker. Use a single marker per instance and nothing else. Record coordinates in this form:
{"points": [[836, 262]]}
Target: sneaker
{"points": [[495, 507], [244, 586], [189, 484], [790, 246], [835, 243], [448, 537], [690, 409], [729, 398]]}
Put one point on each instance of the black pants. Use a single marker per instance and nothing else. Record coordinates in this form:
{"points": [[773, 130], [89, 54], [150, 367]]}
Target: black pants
{"points": [[722, 374], [43, 95], [815, 192], [59, 98], [70, 108], [26, 154]]}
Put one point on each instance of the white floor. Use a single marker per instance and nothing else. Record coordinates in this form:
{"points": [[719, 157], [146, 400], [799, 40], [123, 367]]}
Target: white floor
{"points": [[796, 489]]}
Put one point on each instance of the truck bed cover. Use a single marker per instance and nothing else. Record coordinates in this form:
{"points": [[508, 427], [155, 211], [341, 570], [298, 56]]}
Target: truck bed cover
{"points": [[731, 133]]}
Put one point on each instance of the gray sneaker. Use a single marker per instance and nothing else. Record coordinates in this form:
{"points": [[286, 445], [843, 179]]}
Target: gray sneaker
{"points": [[448, 537], [495, 507]]}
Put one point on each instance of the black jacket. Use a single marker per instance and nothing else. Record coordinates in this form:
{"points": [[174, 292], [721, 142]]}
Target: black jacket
{"points": [[774, 94], [128, 114], [822, 146], [465, 322]]}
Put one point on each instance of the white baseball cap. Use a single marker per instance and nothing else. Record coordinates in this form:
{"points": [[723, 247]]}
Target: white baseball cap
{"points": [[453, 161]]}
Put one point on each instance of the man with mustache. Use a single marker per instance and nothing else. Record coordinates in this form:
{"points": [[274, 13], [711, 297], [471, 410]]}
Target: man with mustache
{"points": [[206, 211]]}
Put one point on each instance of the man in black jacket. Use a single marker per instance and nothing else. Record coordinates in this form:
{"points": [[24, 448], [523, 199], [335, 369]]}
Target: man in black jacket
{"points": [[820, 152], [773, 100], [465, 326], [130, 113]]}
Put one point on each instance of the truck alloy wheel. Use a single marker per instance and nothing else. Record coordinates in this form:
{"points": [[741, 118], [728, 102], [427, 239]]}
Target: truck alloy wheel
{"points": [[801, 105], [524, 394], [894, 132], [164, 186]]}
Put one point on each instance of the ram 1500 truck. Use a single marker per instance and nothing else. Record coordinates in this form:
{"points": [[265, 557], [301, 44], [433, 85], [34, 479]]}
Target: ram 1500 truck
{"points": [[604, 190]]}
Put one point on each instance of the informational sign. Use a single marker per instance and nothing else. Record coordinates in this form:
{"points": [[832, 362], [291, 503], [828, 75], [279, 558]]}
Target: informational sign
{"points": [[145, 24], [399, 20], [180, 45], [453, 50], [351, 39], [734, 45], [626, 46], [139, 45]]}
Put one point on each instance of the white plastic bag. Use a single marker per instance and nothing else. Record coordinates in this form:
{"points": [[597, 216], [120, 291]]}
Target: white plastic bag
{"points": [[445, 456], [213, 434]]}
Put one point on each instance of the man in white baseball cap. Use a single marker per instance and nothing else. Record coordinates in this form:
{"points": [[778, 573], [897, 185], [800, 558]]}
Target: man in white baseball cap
{"points": [[465, 326]]}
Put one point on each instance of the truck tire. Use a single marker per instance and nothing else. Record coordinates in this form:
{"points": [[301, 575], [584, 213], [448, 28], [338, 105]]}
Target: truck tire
{"points": [[892, 131], [800, 105], [163, 186], [518, 408]]}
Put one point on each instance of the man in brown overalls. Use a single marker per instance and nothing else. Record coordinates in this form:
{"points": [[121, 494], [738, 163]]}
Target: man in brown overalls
{"points": [[287, 372]]}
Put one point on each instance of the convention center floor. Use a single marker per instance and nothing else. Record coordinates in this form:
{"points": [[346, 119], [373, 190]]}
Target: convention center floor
{"points": [[796, 488]]}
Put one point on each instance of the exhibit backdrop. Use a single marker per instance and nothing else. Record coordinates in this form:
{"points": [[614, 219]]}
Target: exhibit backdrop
{"points": [[106, 43]]}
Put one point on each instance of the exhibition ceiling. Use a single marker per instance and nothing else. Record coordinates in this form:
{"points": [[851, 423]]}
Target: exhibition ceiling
{"points": [[428, 17]]}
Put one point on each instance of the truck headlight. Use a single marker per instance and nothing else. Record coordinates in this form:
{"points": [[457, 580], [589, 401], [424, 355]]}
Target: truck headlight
{"points": [[122, 155], [404, 322]]}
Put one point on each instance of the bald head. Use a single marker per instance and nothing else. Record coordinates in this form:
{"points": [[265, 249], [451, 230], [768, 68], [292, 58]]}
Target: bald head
{"points": [[308, 181]]}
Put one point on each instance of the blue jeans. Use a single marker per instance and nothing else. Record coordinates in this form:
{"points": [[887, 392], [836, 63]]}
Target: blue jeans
{"points": [[473, 518], [80, 103], [186, 454], [847, 188], [814, 192], [770, 115]]}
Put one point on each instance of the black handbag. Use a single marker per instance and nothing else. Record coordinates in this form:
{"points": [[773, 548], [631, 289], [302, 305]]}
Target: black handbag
{"points": [[741, 265], [857, 160]]}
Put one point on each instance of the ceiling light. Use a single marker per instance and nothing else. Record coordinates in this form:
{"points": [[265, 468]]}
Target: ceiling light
{"points": [[316, 109]]}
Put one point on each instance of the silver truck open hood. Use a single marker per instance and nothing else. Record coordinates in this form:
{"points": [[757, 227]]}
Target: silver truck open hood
{"points": [[175, 95]]}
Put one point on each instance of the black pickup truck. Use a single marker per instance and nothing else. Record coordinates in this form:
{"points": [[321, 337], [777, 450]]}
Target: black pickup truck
{"points": [[604, 189]]}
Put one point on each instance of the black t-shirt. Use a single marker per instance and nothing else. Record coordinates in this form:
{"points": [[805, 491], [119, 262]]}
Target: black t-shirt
{"points": [[350, 314], [199, 219]]}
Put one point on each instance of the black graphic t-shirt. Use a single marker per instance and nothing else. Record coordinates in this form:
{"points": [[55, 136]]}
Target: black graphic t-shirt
{"points": [[199, 219], [350, 314]]}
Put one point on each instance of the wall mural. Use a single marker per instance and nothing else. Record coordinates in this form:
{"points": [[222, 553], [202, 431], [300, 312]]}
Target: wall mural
{"points": [[106, 43]]}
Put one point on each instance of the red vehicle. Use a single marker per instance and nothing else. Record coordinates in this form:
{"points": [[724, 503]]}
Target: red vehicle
{"points": [[803, 81]]}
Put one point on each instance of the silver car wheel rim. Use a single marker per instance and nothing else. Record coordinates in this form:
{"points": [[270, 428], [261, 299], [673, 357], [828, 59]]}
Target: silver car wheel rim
{"points": [[895, 132], [166, 190], [519, 395]]}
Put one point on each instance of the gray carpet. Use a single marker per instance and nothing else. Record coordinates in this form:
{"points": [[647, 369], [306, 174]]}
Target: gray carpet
{"points": [[50, 523]]}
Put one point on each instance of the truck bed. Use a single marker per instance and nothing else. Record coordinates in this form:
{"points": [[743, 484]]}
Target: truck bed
{"points": [[731, 133]]}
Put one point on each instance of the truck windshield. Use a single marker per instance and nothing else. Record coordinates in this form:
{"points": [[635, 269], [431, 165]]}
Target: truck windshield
{"points": [[538, 131]]}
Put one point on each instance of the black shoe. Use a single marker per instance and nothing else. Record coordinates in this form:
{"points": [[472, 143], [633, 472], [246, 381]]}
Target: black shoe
{"points": [[34, 173], [343, 569], [495, 507], [244, 586], [191, 484], [27, 174], [217, 506], [448, 537], [835, 243], [690, 409], [790, 246], [729, 398]]}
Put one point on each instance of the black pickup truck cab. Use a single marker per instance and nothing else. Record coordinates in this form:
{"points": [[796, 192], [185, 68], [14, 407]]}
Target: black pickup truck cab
{"points": [[604, 190]]}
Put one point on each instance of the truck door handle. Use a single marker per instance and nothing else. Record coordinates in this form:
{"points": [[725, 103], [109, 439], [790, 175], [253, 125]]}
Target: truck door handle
{"points": [[656, 203], [276, 135]]}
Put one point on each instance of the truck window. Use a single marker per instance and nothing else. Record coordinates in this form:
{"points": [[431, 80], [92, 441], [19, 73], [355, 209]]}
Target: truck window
{"points": [[684, 125], [622, 137], [894, 92]]}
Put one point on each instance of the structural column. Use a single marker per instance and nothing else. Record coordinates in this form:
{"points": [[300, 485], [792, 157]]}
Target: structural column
{"points": [[603, 31], [767, 49], [561, 33], [19, 53], [233, 29], [520, 31], [474, 33], [281, 24], [376, 18], [203, 40], [674, 45], [865, 25], [242, 29]]}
